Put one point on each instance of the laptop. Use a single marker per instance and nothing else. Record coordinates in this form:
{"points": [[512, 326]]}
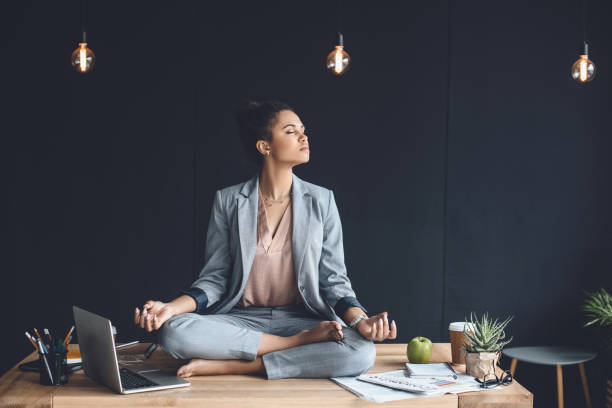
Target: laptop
{"points": [[100, 363]]}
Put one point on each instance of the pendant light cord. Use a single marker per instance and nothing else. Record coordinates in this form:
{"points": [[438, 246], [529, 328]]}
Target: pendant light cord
{"points": [[339, 17], [584, 21], [444, 328], [83, 21]]}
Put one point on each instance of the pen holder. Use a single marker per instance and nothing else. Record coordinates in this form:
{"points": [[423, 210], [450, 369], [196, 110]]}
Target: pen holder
{"points": [[57, 365]]}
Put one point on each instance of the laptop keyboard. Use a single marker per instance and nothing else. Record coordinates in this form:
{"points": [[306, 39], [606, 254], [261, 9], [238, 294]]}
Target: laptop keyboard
{"points": [[131, 380]]}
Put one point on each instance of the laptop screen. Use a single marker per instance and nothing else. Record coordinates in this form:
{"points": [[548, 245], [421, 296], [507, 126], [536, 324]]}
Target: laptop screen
{"points": [[97, 348]]}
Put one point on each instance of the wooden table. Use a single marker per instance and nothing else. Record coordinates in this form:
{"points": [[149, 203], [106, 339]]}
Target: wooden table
{"points": [[21, 388]]}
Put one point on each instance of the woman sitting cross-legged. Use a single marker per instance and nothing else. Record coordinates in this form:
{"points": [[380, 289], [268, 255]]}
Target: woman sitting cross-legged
{"points": [[273, 297]]}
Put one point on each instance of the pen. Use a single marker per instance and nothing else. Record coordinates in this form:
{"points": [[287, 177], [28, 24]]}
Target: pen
{"points": [[452, 370], [67, 338], [150, 350], [31, 340], [127, 344], [41, 346], [44, 357]]}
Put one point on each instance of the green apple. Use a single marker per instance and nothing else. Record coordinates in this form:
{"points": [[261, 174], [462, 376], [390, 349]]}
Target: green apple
{"points": [[419, 350]]}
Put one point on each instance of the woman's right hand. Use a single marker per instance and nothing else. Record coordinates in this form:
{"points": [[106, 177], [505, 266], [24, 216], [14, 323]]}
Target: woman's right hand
{"points": [[153, 315]]}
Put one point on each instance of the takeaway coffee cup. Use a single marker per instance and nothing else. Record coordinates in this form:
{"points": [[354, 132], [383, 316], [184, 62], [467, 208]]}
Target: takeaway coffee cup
{"points": [[457, 340]]}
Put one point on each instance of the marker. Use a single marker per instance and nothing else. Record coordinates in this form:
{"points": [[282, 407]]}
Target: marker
{"points": [[48, 335], [66, 339], [44, 357], [31, 340]]}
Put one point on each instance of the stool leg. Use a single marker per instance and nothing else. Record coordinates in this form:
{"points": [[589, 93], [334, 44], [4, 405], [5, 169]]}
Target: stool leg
{"points": [[513, 367], [559, 387], [585, 385]]}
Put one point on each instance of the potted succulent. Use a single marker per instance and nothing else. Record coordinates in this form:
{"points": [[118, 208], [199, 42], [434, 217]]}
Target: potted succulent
{"points": [[483, 345], [598, 308]]}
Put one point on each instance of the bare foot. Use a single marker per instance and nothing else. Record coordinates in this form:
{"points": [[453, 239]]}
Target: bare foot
{"points": [[328, 330], [198, 366]]}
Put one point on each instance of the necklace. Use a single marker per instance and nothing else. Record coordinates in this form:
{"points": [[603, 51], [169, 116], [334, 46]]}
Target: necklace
{"points": [[269, 201]]}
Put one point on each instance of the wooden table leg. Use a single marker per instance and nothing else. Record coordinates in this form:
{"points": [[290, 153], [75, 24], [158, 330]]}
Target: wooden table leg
{"points": [[513, 367], [559, 387], [585, 385]]}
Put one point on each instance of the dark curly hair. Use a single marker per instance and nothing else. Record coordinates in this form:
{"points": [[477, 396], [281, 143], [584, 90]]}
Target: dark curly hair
{"points": [[255, 120]]}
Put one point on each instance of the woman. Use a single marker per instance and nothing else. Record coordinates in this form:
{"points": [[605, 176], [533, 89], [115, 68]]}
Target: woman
{"points": [[293, 313]]}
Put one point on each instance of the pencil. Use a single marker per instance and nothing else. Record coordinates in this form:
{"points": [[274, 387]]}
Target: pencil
{"points": [[68, 335], [37, 334], [31, 340]]}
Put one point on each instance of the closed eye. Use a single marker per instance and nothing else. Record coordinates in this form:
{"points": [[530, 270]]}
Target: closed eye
{"points": [[293, 126], [303, 131]]}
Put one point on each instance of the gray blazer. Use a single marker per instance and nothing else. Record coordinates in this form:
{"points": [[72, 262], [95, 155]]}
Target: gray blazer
{"points": [[318, 253]]}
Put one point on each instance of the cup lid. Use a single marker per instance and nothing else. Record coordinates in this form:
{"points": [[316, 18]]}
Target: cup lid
{"points": [[460, 326]]}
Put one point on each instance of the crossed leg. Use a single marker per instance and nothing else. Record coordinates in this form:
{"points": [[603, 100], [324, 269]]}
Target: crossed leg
{"points": [[219, 345], [326, 330]]}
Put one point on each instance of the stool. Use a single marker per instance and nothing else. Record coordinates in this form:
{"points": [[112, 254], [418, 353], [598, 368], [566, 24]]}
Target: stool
{"points": [[554, 355]]}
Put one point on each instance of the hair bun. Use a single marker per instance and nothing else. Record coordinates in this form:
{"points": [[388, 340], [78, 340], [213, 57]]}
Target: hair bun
{"points": [[247, 105], [253, 104], [245, 111], [254, 120]]}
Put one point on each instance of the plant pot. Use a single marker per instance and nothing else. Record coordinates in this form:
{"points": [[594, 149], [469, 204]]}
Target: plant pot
{"points": [[480, 364]]}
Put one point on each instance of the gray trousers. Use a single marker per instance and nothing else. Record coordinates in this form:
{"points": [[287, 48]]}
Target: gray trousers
{"points": [[236, 335]]}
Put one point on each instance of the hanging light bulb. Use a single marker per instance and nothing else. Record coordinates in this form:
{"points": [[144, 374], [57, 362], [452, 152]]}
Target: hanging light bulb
{"points": [[83, 58], [583, 69], [338, 60]]}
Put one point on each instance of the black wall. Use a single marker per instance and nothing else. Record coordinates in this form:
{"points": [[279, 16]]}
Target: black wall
{"points": [[471, 173]]}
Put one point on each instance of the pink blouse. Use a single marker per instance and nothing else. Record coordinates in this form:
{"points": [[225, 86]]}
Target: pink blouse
{"points": [[272, 280]]}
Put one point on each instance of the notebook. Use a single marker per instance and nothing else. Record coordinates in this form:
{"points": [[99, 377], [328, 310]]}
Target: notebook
{"points": [[431, 370], [73, 356]]}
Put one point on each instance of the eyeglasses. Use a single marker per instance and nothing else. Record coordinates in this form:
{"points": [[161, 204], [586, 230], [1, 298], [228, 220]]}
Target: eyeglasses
{"points": [[504, 379]]}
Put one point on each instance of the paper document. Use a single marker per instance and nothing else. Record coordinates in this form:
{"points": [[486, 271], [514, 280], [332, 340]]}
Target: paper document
{"points": [[372, 392], [381, 393]]}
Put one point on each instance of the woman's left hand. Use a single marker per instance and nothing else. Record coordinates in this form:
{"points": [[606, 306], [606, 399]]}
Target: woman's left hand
{"points": [[377, 328]]}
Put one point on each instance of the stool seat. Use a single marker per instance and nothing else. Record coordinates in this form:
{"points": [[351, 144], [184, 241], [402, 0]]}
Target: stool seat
{"points": [[550, 355], [557, 356]]}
